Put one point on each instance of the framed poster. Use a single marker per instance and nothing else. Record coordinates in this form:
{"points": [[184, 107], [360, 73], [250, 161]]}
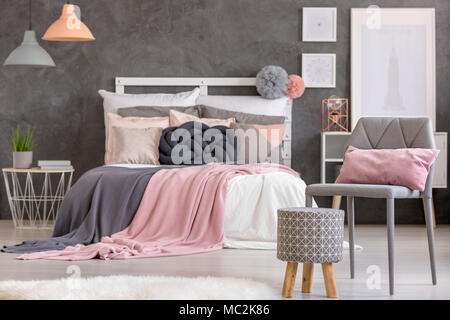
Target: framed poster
{"points": [[393, 63], [319, 24], [319, 70]]}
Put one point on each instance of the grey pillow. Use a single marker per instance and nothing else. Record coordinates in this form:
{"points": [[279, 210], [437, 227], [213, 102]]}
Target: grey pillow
{"points": [[150, 112], [241, 117]]}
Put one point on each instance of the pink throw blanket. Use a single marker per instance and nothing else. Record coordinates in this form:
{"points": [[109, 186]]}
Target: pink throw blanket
{"points": [[182, 212]]}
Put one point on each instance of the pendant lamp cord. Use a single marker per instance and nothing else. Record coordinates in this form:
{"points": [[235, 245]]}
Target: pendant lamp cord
{"points": [[29, 14]]}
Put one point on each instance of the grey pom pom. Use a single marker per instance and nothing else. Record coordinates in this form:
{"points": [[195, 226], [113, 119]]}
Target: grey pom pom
{"points": [[272, 82]]}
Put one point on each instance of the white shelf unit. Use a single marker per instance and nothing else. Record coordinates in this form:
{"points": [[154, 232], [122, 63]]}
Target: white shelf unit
{"points": [[333, 146]]}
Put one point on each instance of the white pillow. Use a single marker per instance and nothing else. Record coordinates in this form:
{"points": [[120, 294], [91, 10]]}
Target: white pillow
{"points": [[114, 101]]}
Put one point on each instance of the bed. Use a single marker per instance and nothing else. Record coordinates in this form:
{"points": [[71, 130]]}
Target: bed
{"points": [[251, 202], [243, 229], [250, 104]]}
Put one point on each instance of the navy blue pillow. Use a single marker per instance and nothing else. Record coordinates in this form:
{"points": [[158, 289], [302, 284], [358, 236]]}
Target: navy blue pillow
{"points": [[197, 143]]}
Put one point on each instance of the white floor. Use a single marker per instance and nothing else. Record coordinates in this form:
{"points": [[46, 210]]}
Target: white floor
{"points": [[413, 277]]}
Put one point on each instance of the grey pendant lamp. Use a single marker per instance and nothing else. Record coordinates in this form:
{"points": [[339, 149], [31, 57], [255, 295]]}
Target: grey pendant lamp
{"points": [[30, 53]]}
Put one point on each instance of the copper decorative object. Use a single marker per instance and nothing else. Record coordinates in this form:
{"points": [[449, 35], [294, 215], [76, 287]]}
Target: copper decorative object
{"points": [[335, 115]]}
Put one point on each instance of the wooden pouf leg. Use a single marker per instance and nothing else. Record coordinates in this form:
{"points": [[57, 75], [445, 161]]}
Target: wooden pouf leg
{"points": [[336, 202], [289, 279], [330, 281], [307, 281]]}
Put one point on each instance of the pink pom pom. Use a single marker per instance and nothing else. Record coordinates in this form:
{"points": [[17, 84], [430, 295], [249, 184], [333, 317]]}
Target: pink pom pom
{"points": [[296, 87]]}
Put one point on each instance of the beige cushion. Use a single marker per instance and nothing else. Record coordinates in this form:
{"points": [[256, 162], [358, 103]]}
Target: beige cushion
{"points": [[114, 120], [134, 145], [178, 118]]}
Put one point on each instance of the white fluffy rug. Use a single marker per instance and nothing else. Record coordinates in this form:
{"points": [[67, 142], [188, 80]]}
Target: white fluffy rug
{"points": [[138, 288]]}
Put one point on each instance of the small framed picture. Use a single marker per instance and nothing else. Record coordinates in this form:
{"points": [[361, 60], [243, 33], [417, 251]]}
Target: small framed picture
{"points": [[320, 24], [319, 70]]}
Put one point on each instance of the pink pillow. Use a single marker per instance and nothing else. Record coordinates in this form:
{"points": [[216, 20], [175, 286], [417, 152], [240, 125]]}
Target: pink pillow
{"points": [[400, 167], [259, 143], [273, 131]]}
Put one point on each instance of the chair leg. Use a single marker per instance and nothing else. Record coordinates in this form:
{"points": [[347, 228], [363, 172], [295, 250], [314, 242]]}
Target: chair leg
{"points": [[427, 203], [351, 233], [308, 274], [308, 202], [390, 211], [289, 279], [432, 210]]}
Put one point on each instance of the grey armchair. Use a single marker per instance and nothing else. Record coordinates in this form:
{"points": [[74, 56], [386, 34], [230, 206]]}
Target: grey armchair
{"points": [[385, 133]]}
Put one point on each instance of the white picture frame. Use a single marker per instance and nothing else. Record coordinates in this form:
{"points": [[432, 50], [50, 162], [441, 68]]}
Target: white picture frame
{"points": [[393, 63], [319, 70], [319, 24]]}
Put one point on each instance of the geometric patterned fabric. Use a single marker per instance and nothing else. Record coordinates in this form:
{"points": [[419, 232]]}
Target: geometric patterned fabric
{"points": [[310, 235]]}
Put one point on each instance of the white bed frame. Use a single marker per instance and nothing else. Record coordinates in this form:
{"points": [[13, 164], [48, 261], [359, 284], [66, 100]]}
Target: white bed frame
{"points": [[203, 84]]}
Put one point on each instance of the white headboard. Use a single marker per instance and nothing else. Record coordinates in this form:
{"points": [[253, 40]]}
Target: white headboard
{"points": [[203, 83]]}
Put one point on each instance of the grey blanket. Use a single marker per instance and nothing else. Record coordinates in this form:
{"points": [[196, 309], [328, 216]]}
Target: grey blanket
{"points": [[102, 202]]}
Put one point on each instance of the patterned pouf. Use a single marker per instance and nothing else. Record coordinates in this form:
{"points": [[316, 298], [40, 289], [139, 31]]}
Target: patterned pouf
{"points": [[308, 236], [312, 235]]}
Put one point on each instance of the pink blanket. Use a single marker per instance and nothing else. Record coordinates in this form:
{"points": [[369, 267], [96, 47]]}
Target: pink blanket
{"points": [[182, 212]]}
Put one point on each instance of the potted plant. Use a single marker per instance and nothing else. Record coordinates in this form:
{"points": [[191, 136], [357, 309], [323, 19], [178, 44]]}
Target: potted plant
{"points": [[22, 147]]}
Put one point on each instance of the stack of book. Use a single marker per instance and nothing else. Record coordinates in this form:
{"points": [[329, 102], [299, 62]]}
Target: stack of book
{"points": [[55, 165]]}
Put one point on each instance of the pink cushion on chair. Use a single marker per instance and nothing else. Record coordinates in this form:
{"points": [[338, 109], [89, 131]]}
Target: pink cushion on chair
{"points": [[399, 167]]}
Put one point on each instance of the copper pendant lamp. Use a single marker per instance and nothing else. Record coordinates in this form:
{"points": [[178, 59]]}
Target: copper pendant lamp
{"points": [[69, 27]]}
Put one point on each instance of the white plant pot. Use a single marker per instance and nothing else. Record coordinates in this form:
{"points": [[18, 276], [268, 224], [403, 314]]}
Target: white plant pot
{"points": [[22, 160]]}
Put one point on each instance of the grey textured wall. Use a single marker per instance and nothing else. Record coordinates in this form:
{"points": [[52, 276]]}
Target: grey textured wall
{"points": [[218, 38]]}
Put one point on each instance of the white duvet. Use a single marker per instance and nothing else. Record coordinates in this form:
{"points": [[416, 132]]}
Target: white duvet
{"points": [[252, 204]]}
